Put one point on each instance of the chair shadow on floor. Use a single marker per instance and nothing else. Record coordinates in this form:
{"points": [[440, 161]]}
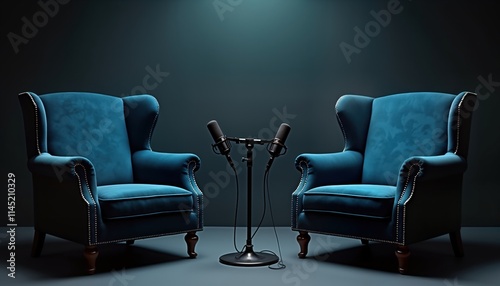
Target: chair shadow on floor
{"points": [[65, 259], [433, 258]]}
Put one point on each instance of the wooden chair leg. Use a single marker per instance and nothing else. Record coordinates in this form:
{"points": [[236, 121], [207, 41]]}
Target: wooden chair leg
{"points": [[456, 243], [403, 254], [303, 239], [90, 253], [191, 239], [38, 241]]}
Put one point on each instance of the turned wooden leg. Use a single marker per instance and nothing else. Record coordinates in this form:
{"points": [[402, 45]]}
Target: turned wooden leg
{"points": [[303, 239], [38, 240], [130, 242], [403, 253], [456, 243], [191, 239], [364, 241], [90, 253]]}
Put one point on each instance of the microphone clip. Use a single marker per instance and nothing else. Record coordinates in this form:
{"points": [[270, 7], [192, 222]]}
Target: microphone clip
{"points": [[277, 142], [215, 147]]}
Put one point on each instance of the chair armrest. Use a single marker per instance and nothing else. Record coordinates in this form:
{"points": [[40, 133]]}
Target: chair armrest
{"points": [[66, 168], [65, 194], [63, 169], [428, 196], [60, 167], [426, 169], [432, 167], [324, 169], [330, 168], [176, 169]]}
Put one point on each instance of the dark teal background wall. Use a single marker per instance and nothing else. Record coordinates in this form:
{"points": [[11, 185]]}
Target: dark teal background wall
{"points": [[251, 65]]}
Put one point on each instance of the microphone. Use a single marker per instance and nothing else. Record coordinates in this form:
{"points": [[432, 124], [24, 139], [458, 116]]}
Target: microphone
{"points": [[278, 143], [221, 142]]}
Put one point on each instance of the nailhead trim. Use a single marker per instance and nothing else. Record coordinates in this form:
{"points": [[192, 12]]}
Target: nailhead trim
{"points": [[297, 191], [194, 185], [404, 207], [153, 125], [341, 127], [85, 200], [36, 123], [458, 122], [404, 204]]}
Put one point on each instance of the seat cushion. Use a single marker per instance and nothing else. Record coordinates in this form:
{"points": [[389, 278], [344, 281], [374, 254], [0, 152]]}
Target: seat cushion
{"points": [[357, 200], [135, 200]]}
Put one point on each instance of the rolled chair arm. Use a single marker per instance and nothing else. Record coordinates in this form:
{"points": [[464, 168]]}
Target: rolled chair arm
{"points": [[428, 195], [432, 167], [324, 169], [65, 192], [330, 168], [65, 168], [176, 169], [421, 169]]}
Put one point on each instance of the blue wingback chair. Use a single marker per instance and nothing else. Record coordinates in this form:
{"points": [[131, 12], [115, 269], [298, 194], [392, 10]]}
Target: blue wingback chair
{"points": [[398, 179], [95, 178]]}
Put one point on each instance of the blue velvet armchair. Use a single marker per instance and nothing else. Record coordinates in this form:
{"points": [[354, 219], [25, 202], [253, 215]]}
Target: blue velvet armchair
{"points": [[95, 178], [398, 179]]}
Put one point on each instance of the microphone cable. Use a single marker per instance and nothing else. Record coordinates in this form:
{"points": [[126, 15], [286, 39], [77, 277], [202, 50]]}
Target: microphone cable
{"points": [[266, 186], [280, 264], [236, 209]]}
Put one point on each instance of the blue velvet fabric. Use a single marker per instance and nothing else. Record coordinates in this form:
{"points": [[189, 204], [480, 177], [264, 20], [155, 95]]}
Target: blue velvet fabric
{"points": [[375, 201], [399, 177], [353, 114], [141, 114], [135, 200], [401, 126], [92, 126], [96, 179]]}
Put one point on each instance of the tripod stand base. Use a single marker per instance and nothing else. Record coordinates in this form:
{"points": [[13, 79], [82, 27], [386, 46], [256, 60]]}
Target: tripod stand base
{"points": [[248, 258]]}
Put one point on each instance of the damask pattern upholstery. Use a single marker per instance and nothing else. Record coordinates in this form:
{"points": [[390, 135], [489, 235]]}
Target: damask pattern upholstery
{"points": [[96, 179], [398, 179]]}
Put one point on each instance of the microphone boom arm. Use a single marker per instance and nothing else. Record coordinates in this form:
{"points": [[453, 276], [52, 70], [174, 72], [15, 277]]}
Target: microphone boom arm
{"points": [[249, 140]]}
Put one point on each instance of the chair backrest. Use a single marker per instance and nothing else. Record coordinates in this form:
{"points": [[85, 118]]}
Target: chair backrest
{"points": [[396, 127], [83, 124]]}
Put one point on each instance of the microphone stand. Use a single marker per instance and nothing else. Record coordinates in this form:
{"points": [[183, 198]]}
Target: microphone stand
{"points": [[249, 257]]}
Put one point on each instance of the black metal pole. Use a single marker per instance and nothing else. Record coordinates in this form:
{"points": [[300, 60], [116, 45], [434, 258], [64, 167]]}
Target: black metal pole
{"points": [[248, 257], [249, 160]]}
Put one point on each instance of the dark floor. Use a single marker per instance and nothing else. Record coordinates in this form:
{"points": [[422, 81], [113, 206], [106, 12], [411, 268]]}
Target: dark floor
{"points": [[332, 261]]}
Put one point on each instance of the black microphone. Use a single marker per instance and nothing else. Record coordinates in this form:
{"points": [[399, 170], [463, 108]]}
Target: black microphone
{"points": [[278, 143], [221, 142]]}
